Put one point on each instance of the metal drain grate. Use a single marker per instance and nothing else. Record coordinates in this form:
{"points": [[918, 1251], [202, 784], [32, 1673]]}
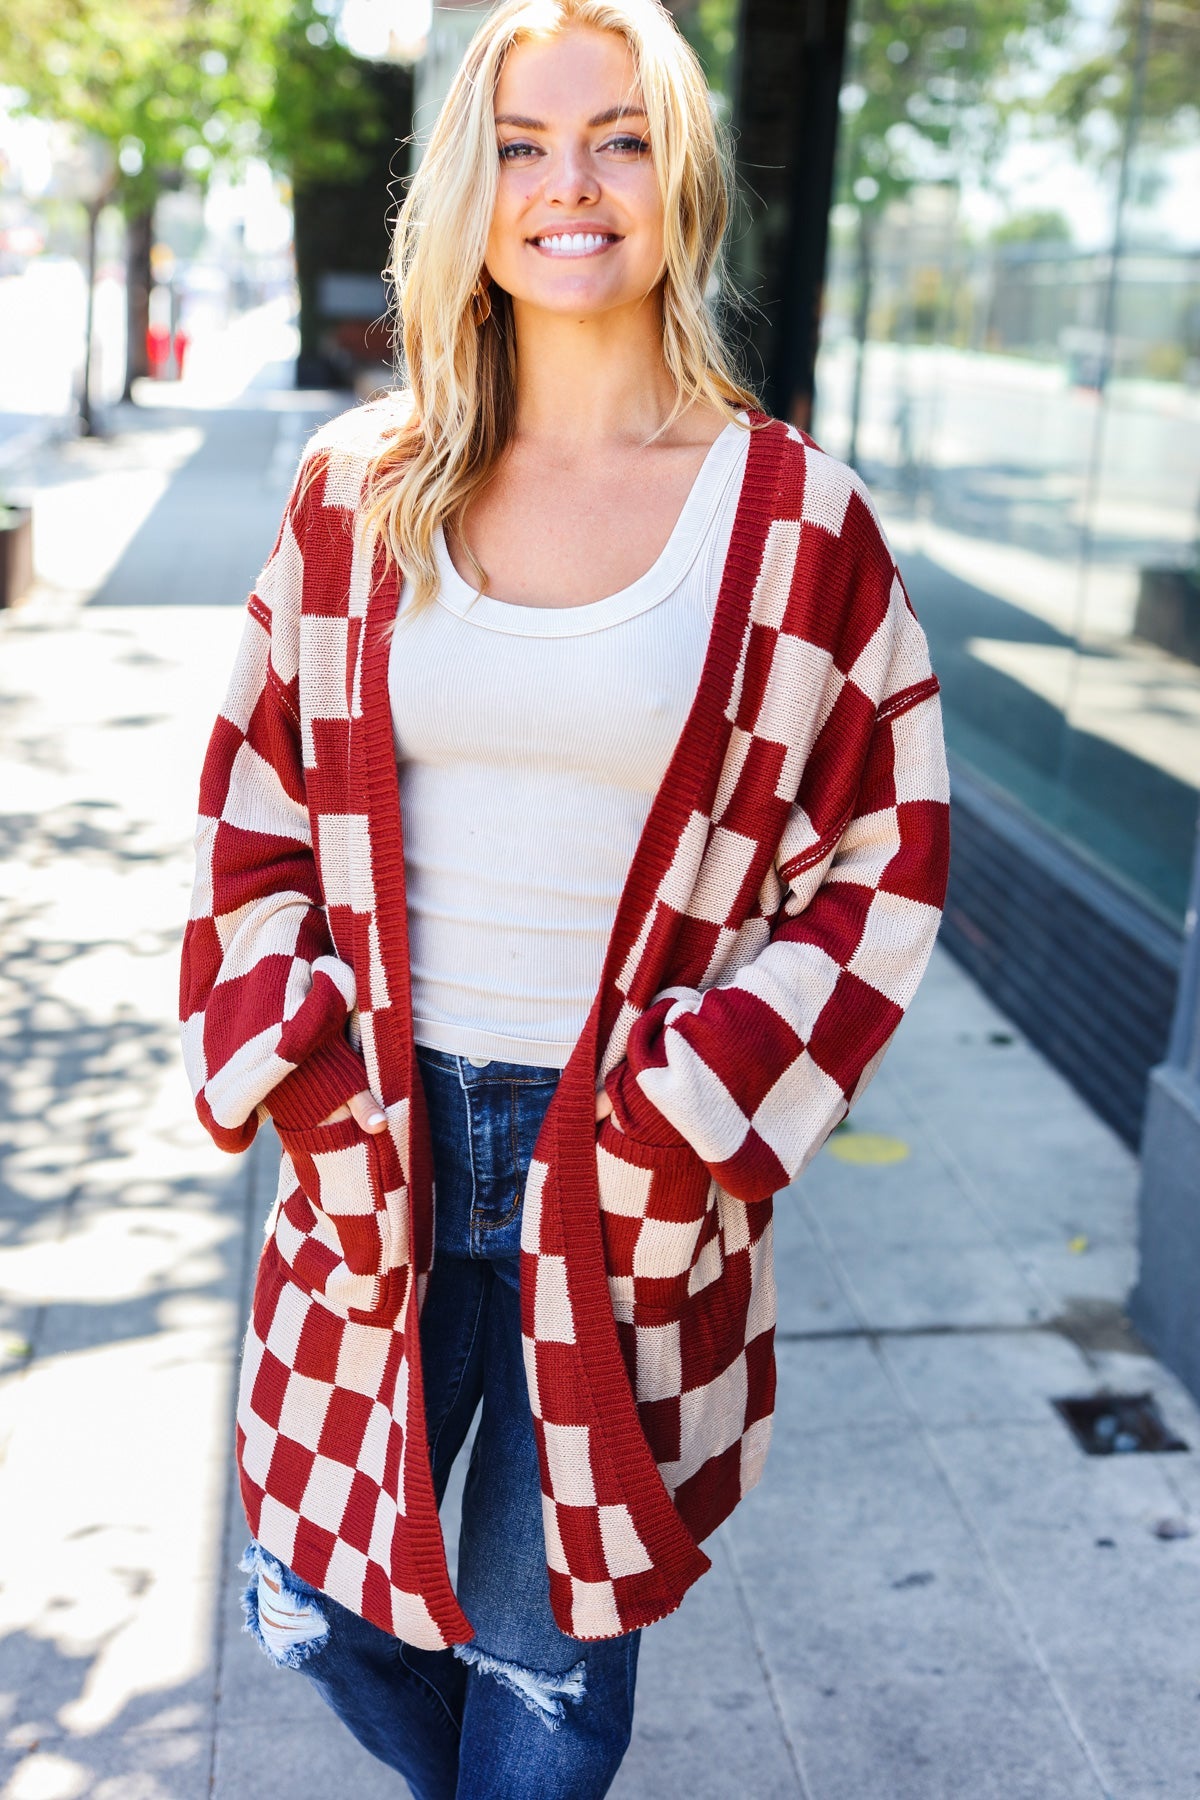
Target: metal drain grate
{"points": [[1118, 1424]]}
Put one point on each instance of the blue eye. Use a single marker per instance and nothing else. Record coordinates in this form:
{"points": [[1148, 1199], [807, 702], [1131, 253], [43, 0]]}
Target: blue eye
{"points": [[627, 144]]}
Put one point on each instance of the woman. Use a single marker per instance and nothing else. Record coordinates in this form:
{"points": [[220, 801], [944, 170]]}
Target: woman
{"points": [[631, 665]]}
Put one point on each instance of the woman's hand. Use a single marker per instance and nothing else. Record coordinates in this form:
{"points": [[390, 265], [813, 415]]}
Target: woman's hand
{"points": [[365, 1108], [604, 1105]]}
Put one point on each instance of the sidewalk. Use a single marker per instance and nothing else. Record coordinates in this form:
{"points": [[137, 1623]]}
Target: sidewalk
{"points": [[933, 1595]]}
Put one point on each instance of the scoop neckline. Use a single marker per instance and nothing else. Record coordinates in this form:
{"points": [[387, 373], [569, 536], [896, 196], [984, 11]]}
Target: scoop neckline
{"points": [[457, 595]]}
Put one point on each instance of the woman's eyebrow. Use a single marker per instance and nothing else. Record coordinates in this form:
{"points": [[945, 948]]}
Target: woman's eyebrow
{"points": [[609, 117], [618, 112]]}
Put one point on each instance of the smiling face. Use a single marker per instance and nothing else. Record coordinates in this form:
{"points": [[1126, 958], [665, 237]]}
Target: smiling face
{"points": [[578, 221]]}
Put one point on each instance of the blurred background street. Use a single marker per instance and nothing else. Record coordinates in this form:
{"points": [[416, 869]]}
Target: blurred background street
{"points": [[970, 242]]}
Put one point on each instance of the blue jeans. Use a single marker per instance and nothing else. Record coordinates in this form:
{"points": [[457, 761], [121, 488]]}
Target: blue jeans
{"points": [[522, 1712]]}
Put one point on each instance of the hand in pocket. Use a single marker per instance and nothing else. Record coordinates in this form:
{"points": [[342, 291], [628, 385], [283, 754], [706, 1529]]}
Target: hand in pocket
{"points": [[364, 1109]]}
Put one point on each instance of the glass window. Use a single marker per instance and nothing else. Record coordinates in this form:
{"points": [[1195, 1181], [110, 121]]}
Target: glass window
{"points": [[1011, 355]]}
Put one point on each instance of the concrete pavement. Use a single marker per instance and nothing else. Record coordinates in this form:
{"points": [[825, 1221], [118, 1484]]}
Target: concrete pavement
{"points": [[933, 1593]]}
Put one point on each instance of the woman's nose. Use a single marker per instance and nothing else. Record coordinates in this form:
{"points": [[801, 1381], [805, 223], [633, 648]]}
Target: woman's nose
{"points": [[571, 178]]}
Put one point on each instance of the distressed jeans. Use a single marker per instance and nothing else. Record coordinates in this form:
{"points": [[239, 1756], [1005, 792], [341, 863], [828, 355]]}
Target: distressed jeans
{"points": [[522, 1712]]}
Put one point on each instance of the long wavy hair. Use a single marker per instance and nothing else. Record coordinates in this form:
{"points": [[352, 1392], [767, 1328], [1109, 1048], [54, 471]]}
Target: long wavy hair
{"points": [[460, 372]]}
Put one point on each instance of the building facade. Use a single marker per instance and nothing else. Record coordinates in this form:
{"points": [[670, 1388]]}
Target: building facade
{"points": [[1009, 351]]}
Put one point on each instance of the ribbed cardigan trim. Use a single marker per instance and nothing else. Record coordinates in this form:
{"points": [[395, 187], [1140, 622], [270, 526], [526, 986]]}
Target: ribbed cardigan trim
{"points": [[689, 784], [374, 772]]}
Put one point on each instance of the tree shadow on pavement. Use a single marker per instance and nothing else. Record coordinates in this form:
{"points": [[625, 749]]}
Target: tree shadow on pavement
{"points": [[156, 1747]]}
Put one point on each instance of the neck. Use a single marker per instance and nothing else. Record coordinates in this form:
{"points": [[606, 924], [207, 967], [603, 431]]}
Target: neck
{"points": [[582, 383]]}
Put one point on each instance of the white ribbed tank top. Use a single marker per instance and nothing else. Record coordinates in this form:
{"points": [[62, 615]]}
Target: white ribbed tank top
{"points": [[531, 741]]}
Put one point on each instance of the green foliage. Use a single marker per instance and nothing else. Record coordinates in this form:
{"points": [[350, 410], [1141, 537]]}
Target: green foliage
{"points": [[174, 86], [1042, 226], [325, 115], [1104, 83], [710, 27], [167, 85], [926, 80]]}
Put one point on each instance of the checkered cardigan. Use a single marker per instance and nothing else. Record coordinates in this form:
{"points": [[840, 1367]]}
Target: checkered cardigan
{"points": [[776, 919]]}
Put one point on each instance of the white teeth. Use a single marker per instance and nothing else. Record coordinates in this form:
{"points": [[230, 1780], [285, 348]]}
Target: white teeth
{"points": [[577, 243]]}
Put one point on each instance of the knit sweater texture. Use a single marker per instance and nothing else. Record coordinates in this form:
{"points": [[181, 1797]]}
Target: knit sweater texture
{"points": [[777, 916]]}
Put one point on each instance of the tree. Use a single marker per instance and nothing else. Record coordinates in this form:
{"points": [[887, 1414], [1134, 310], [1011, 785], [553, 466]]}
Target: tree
{"points": [[333, 123], [1041, 226], [1146, 67], [1139, 87], [168, 87], [172, 87], [923, 102], [710, 27], [324, 116]]}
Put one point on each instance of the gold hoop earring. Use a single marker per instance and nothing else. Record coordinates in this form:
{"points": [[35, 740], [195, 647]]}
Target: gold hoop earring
{"points": [[481, 303]]}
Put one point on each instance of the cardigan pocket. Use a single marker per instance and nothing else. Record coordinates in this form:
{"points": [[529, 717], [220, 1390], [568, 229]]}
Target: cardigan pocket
{"points": [[659, 1222], [331, 1224]]}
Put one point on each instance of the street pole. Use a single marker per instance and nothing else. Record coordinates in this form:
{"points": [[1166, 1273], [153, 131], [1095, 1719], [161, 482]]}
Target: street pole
{"points": [[862, 321], [87, 422], [86, 174]]}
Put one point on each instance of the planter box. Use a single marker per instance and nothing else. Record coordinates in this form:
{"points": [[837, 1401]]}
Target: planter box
{"points": [[16, 554], [1168, 611]]}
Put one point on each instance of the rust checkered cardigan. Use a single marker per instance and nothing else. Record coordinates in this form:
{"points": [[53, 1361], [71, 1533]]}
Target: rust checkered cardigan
{"points": [[777, 916]]}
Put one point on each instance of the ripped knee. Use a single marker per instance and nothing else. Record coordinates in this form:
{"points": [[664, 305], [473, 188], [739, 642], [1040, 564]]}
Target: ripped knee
{"points": [[289, 1626], [543, 1694]]}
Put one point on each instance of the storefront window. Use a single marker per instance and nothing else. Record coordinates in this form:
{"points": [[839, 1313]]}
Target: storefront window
{"points": [[1011, 355]]}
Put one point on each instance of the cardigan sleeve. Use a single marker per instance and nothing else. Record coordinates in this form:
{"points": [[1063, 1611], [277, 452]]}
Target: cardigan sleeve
{"points": [[263, 994], [755, 1071]]}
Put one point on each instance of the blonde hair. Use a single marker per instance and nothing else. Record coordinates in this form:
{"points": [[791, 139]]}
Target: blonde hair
{"points": [[462, 373]]}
